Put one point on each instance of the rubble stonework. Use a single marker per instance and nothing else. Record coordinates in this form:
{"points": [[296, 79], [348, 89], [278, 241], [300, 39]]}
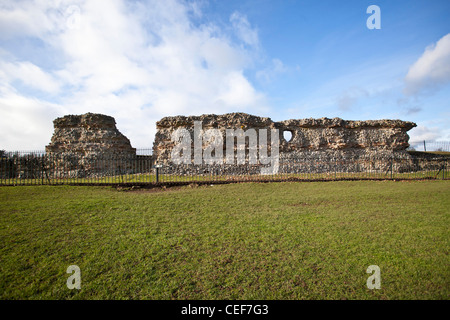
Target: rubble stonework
{"points": [[88, 133], [314, 142], [88, 143]]}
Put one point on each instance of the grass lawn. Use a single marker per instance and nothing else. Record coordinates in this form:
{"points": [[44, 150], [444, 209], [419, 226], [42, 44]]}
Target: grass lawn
{"points": [[241, 241]]}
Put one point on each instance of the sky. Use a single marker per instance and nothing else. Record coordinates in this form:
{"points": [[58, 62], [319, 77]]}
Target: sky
{"points": [[139, 61]]}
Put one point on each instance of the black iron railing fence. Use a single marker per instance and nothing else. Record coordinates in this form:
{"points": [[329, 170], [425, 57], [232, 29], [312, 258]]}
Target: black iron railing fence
{"points": [[38, 168], [443, 146]]}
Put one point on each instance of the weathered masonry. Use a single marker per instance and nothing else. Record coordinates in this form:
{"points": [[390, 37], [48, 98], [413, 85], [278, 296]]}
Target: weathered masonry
{"points": [[88, 145], [316, 144], [88, 148]]}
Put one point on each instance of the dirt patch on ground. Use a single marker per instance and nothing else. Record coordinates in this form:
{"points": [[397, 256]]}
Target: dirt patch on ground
{"points": [[299, 204], [158, 189]]}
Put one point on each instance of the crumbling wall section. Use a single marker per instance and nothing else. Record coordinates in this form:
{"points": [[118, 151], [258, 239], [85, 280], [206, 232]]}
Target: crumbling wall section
{"points": [[88, 145], [317, 145]]}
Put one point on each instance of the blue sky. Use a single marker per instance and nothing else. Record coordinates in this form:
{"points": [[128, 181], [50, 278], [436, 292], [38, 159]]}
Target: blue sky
{"points": [[139, 61]]}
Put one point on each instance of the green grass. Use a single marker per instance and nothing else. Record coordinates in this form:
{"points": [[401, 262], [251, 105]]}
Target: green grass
{"points": [[240, 241]]}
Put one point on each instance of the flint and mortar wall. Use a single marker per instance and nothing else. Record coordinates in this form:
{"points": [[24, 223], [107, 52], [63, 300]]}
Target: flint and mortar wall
{"points": [[88, 145], [317, 145]]}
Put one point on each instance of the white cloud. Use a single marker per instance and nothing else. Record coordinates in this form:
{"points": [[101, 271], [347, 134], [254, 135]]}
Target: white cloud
{"points": [[30, 75], [25, 121], [350, 97], [412, 110], [237, 91], [135, 61], [268, 74], [420, 133], [431, 70], [243, 29], [30, 18]]}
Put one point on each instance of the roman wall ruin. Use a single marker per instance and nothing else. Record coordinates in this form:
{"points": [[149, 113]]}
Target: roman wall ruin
{"points": [[317, 145], [90, 144]]}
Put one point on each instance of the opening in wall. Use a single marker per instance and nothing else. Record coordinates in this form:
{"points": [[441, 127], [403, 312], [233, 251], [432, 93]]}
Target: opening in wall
{"points": [[287, 135]]}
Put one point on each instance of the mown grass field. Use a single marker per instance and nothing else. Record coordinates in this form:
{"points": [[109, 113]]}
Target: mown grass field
{"points": [[241, 241]]}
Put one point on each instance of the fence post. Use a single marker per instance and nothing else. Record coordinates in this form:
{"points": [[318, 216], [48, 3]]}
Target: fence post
{"points": [[392, 164], [157, 167], [335, 168], [445, 167], [42, 171]]}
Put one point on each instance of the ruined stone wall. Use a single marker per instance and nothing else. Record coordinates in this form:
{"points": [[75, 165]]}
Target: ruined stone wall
{"points": [[317, 145], [88, 144]]}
